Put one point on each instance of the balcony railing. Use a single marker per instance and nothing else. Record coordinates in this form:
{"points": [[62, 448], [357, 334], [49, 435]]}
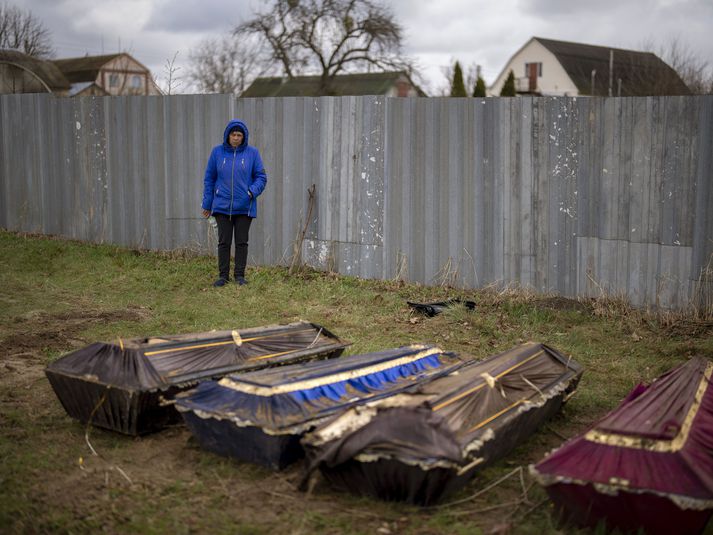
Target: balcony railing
{"points": [[522, 85]]}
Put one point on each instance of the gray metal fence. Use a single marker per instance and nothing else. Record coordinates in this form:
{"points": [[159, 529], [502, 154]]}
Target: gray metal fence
{"points": [[573, 195]]}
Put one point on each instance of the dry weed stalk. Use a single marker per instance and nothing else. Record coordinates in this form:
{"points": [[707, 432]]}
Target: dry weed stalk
{"points": [[94, 451], [482, 491], [297, 250], [332, 258], [472, 263], [607, 304], [401, 267], [698, 315], [189, 251], [447, 276], [702, 294], [496, 293]]}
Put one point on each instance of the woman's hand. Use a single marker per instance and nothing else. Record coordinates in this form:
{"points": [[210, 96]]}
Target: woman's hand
{"points": [[206, 213]]}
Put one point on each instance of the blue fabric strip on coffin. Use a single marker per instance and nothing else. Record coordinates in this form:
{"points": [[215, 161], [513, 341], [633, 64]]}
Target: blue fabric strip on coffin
{"points": [[368, 383], [276, 399]]}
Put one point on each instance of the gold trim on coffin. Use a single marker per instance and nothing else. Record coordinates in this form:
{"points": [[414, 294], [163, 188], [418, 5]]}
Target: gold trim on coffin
{"points": [[259, 390], [639, 443], [232, 341]]}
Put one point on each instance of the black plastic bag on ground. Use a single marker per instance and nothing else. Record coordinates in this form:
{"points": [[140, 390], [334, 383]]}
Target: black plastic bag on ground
{"points": [[435, 308]]}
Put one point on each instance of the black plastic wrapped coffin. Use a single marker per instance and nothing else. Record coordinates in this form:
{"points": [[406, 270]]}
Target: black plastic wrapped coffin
{"points": [[647, 466], [435, 308], [259, 417], [439, 435], [121, 385]]}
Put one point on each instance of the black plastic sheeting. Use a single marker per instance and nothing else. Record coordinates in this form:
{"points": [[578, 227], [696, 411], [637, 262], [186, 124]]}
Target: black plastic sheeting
{"points": [[436, 307], [421, 449], [259, 417], [123, 386]]}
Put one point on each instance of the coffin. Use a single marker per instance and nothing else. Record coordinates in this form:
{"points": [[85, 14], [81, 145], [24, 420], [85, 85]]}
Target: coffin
{"points": [[259, 417], [422, 445], [123, 386], [646, 466]]}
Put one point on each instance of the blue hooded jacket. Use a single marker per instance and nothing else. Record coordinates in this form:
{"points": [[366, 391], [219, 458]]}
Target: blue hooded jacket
{"points": [[231, 173]]}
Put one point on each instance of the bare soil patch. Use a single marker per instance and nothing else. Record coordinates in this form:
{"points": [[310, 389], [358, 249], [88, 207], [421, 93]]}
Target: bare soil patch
{"points": [[39, 331]]}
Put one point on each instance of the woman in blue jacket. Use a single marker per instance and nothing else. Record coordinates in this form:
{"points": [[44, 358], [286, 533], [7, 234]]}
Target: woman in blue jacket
{"points": [[234, 178]]}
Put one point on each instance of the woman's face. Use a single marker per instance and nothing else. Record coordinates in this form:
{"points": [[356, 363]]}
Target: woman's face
{"points": [[235, 138]]}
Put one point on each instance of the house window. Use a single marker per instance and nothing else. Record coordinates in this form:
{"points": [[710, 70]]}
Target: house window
{"points": [[536, 66], [136, 81], [113, 80]]}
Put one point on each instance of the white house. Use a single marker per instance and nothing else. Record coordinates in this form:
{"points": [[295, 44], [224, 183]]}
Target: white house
{"points": [[549, 67], [113, 74]]}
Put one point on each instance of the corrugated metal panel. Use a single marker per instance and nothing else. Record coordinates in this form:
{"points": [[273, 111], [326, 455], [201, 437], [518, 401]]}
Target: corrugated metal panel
{"points": [[575, 195]]}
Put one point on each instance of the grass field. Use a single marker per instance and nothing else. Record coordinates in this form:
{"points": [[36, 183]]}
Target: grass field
{"points": [[60, 295]]}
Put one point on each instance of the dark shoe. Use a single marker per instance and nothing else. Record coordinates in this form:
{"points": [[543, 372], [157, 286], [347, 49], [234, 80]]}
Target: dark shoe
{"points": [[241, 281], [220, 282]]}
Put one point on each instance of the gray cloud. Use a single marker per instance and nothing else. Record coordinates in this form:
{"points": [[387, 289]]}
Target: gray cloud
{"points": [[209, 16], [569, 8]]}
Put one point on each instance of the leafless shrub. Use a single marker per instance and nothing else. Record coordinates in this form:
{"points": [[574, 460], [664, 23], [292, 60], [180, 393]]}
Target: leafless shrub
{"points": [[225, 65]]}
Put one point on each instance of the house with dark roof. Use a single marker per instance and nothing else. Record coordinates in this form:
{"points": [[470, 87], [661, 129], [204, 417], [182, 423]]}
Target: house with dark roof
{"points": [[549, 67], [112, 74], [20, 73], [390, 84]]}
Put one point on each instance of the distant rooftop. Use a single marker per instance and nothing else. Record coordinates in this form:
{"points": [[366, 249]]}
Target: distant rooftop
{"points": [[378, 83], [83, 69], [45, 70], [641, 73]]}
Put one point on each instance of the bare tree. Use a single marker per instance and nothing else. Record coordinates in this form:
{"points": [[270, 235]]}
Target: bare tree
{"points": [[444, 88], [21, 30], [328, 37], [171, 77], [225, 65], [695, 72]]}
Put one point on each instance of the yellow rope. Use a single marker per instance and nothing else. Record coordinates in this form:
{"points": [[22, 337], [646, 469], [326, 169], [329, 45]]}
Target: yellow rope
{"points": [[488, 420], [475, 389], [274, 354]]}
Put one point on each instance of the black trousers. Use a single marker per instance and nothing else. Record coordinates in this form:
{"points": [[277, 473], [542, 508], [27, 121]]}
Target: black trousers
{"points": [[238, 225]]}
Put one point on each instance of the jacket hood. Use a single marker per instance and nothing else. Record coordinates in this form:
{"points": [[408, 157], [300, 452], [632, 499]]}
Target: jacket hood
{"points": [[233, 124]]}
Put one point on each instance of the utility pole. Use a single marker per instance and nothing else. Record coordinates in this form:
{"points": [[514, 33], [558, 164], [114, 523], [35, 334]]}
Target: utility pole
{"points": [[611, 70], [594, 73]]}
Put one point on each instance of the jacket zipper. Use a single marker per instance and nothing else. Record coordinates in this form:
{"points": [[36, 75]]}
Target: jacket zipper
{"points": [[232, 180]]}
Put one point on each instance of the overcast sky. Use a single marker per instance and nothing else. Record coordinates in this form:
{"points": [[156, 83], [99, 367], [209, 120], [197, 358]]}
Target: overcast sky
{"points": [[436, 32]]}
